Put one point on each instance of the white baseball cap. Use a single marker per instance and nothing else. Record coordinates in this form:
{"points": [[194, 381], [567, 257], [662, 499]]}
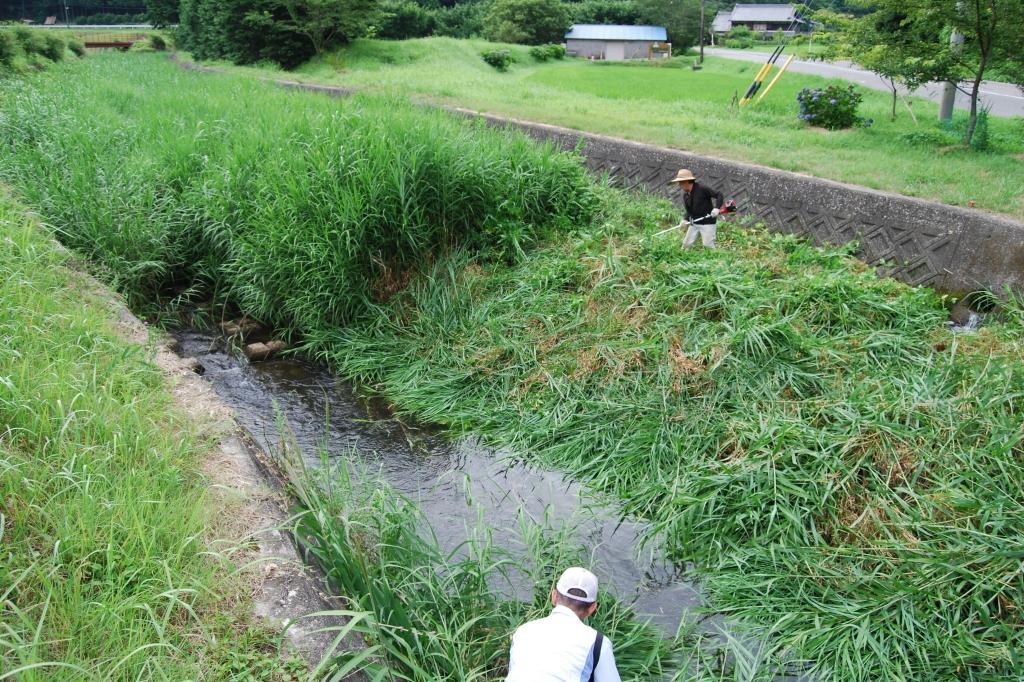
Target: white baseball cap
{"points": [[578, 583]]}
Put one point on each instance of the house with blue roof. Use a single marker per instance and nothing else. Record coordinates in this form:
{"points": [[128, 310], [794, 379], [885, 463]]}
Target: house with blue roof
{"points": [[617, 43]]}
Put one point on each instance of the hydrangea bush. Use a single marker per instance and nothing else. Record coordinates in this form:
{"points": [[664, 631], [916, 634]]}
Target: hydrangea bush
{"points": [[499, 59], [832, 107]]}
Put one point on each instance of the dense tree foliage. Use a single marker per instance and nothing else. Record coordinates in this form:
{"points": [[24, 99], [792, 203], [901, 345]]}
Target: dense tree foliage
{"points": [[605, 12], [38, 10], [402, 19], [242, 31], [162, 13], [681, 18], [909, 40], [531, 22]]}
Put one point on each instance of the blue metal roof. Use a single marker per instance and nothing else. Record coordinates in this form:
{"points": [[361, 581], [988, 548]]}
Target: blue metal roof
{"points": [[607, 32]]}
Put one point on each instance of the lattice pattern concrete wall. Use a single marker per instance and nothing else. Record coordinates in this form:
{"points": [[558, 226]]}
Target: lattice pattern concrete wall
{"points": [[915, 241]]}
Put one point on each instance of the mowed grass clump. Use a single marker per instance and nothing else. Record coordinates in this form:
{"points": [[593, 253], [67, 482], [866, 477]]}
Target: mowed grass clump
{"points": [[103, 523], [845, 471], [302, 210]]}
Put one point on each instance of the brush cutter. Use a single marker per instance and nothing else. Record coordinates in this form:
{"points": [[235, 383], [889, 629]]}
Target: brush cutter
{"points": [[727, 208]]}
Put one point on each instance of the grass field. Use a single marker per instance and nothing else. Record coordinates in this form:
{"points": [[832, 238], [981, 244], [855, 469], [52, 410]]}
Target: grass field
{"points": [[845, 471], [104, 518], [691, 110]]}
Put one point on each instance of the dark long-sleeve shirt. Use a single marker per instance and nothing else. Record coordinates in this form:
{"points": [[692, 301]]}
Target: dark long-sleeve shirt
{"points": [[698, 203]]}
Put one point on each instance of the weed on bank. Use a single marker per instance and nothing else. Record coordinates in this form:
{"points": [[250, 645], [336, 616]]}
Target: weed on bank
{"points": [[845, 471]]}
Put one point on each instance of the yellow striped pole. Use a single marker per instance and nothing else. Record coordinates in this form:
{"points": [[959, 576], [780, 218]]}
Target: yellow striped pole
{"points": [[761, 74], [775, 80]]}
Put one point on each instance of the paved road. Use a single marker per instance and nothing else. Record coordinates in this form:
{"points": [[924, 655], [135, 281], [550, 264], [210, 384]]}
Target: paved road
{"points": [[1004, 98]]}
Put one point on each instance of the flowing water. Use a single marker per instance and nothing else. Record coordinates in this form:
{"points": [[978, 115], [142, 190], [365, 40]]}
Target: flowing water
{"points": [[443, 475]]}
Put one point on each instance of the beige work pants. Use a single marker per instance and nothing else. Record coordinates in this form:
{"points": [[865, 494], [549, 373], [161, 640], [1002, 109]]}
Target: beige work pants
{"points": [[707, 235]]}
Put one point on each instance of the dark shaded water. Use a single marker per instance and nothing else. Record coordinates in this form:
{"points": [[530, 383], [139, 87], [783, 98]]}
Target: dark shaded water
{"points": [[457, 483]]}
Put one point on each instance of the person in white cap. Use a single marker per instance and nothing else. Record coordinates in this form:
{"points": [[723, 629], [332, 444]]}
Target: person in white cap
{"points": [[702, 206], [560, 647]]}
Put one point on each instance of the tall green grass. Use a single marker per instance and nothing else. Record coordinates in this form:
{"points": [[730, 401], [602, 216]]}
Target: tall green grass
{"points": [[845, 471], [102, 520], [301, 209]]}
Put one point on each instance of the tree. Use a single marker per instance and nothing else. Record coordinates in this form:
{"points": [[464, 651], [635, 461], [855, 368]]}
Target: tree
{"points": [[530, 22], [605, 12], [329, 22], [162, 13], [991, 31], [404, 19], [884, 43], [681, 18]]}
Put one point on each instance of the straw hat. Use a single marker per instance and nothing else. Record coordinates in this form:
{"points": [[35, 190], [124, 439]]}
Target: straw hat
{"points": [[682, 176]]}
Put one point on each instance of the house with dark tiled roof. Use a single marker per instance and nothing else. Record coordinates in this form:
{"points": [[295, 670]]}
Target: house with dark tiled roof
{"points": [[763, 19]]}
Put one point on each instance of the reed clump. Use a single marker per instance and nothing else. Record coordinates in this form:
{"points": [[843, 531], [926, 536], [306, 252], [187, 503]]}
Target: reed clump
{"points": [[301, 211], [845, 471]]}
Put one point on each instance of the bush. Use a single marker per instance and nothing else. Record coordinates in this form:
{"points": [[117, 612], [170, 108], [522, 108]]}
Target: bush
{"points": [[157, 42], [542, 53], [832, 107], [499, 59], [403, 19], [54, 47], [529, 22], [109, 18], [739, 43], [740, 32], [31, 42], [8, 48], [77, 47]]}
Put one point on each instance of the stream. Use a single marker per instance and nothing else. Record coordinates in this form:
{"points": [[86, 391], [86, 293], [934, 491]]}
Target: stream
{"points": [[458, 484]]}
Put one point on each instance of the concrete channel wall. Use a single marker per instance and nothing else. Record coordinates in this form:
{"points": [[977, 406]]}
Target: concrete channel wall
{"points": [[918, 242]]}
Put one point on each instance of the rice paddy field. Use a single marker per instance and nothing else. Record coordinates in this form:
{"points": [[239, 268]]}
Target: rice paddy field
{"points": [[672, 105], [845, 471]]}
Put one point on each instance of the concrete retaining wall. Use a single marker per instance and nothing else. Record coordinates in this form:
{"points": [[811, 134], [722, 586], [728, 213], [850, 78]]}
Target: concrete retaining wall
{"points": [[918, 242]]}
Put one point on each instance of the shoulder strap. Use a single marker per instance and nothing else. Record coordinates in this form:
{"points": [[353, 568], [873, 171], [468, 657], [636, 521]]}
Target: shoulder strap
{"points": [[598, 641]]}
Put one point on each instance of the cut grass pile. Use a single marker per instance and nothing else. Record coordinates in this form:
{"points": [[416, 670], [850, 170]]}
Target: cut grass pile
{"points": [[675, 106], [105, 573], [845, 471]]}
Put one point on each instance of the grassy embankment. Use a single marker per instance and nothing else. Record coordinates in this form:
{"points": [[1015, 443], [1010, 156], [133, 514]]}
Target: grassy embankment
{"points": [[690, 110], [106, 529], [23, 49], [845, 471]]}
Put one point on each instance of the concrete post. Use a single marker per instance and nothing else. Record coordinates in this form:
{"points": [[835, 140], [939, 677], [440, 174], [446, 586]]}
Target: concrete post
{"points": [[956, 41]]}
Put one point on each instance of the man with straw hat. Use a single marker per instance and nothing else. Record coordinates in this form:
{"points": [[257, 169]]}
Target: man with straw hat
{"points": [[702, 206], [560, 648]]}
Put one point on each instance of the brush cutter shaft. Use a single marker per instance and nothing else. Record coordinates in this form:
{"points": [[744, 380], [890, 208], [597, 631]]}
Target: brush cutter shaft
{"points": [[686, 223]]}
